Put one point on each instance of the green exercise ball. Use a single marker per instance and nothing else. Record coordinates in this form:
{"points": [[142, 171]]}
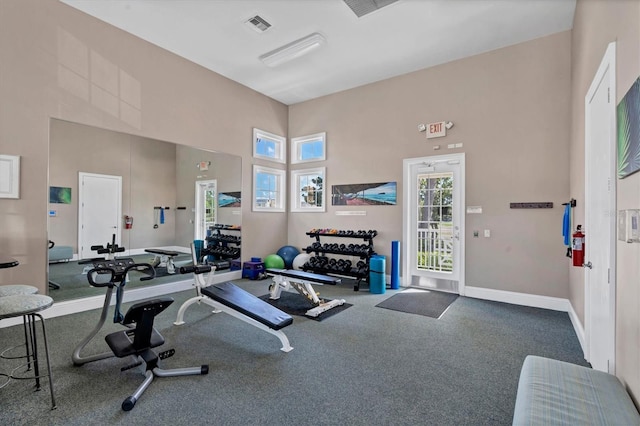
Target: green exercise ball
{"points": [[273, 261]]}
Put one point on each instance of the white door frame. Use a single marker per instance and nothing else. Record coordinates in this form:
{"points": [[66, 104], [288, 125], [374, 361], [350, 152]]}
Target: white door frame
{"points": [[199, 214], [608, 63], [408, 164], [81, 200]]}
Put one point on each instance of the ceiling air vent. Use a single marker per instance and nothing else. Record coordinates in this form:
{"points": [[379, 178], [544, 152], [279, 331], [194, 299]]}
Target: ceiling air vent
{"points": [[258, 24], [363, 7]]}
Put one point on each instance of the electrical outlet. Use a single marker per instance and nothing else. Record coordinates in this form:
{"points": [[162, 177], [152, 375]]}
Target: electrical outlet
{"points": [[487, 233]]}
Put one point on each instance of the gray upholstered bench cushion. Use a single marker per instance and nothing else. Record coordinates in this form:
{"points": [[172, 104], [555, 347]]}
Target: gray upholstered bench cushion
{"points": [[552, 392], [60, 253]]}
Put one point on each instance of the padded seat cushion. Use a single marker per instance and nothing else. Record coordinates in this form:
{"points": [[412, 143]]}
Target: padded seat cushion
{"points": [[24, 304], [169, 253], [121, 342], [242, 301], [17, 289], [552, 392]]}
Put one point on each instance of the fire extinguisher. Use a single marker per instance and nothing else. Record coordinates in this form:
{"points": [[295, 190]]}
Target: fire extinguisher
{"points": [[577, 247], [128, 222]]}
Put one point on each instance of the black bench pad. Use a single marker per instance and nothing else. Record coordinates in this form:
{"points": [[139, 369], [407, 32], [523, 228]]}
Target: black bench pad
{"points": [[163, 252], [242, 301], [302, 275]]}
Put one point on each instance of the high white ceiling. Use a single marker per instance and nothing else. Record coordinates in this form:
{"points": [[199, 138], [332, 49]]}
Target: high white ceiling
{"points": [[402, 37]]}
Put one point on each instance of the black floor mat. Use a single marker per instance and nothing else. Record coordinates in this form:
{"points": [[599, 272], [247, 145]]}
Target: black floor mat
{"points": [[422, 302]]}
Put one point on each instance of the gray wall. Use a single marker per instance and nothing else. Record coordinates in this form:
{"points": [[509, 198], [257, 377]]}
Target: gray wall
{"points": [[510, 109]]}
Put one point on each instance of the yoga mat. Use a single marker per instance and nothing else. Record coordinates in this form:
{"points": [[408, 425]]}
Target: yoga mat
{"points": [[421, 302], [377, 269], [297, 304], [395, 265]]}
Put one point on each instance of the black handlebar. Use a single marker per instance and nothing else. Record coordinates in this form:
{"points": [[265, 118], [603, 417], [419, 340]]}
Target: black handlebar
{"points": [[118, 275], [197, 269]]}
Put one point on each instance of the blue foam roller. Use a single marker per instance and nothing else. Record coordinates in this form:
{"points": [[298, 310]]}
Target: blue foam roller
{"points": [[377, 266], [395, 265]]}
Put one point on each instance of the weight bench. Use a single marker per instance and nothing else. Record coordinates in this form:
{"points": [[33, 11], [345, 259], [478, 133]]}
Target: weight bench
{"points": [[164, 258], [231, 299], [302, 282]]}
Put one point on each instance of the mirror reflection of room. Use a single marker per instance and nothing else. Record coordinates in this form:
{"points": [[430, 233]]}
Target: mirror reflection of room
{"points": [[116, 194]]}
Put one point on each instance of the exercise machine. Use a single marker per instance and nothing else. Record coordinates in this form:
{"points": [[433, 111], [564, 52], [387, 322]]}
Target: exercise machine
{"points": [[138, 343], [231, 299], [133, 341], [303, 282], [112, 275]]}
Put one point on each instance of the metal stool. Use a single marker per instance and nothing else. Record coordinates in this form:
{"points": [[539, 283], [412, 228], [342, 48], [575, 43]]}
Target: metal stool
{"points": [[28, 306], [16, 290]]}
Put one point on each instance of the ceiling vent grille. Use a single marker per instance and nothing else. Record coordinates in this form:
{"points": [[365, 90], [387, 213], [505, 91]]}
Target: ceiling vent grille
{"points": [[258, 24], [363, 7]]}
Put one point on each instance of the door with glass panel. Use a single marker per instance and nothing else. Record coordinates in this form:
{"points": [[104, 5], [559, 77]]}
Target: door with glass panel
{"points": [[206, 207], [434, 228]]}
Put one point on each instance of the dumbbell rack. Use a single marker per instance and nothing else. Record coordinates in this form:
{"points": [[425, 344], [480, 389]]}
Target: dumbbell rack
{"points": [[331, 266], [223, 245]]}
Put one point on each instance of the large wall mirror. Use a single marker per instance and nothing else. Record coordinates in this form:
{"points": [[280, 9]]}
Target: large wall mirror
{"points": [[149, 194]]}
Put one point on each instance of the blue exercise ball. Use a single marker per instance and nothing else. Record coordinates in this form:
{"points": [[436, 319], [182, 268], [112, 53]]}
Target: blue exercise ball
{"points": [[288, 253]]}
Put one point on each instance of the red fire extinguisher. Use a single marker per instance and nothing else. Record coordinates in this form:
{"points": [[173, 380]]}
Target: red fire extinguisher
{"points": [[128, 222], [577, 247]]}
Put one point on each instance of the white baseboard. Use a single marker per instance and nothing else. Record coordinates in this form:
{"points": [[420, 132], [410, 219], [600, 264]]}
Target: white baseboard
{"points": [[579, 329], [67, 307], [524, 299]]}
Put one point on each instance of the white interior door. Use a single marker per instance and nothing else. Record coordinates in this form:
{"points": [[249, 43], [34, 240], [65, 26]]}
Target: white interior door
{"points": [[99, 211], [434, 222], [206, 207], [600, 216]]}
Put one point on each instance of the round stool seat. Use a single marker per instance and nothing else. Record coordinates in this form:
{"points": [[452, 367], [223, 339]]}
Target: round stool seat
{"points": [[18, 289], [19, 305]]}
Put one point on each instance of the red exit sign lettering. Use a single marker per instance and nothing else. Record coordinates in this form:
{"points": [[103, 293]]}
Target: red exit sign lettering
{"points": [[436, 130]]}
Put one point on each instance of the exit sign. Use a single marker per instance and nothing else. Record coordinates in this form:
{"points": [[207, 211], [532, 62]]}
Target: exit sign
{"points": [[436, 130]]}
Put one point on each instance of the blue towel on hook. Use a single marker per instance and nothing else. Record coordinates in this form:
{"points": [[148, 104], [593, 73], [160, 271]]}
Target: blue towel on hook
{"points": [[566, 225], [161, 215]]}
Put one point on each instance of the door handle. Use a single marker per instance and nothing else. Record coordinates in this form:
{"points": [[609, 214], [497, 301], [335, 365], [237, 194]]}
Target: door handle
{"points": [[587, 265]]}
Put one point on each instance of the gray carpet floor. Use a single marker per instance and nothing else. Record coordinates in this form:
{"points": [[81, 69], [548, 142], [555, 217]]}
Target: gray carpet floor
{"points": [[363, 366]]}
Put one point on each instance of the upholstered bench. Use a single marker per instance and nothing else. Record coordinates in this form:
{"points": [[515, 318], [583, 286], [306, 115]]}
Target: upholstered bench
{"points": [[552, 392], [60, 254]]}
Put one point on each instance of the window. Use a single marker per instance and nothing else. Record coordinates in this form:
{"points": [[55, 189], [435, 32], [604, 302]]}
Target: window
{"points": [[269, 146], [308, 190], [268, 189], [308, 148]]}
